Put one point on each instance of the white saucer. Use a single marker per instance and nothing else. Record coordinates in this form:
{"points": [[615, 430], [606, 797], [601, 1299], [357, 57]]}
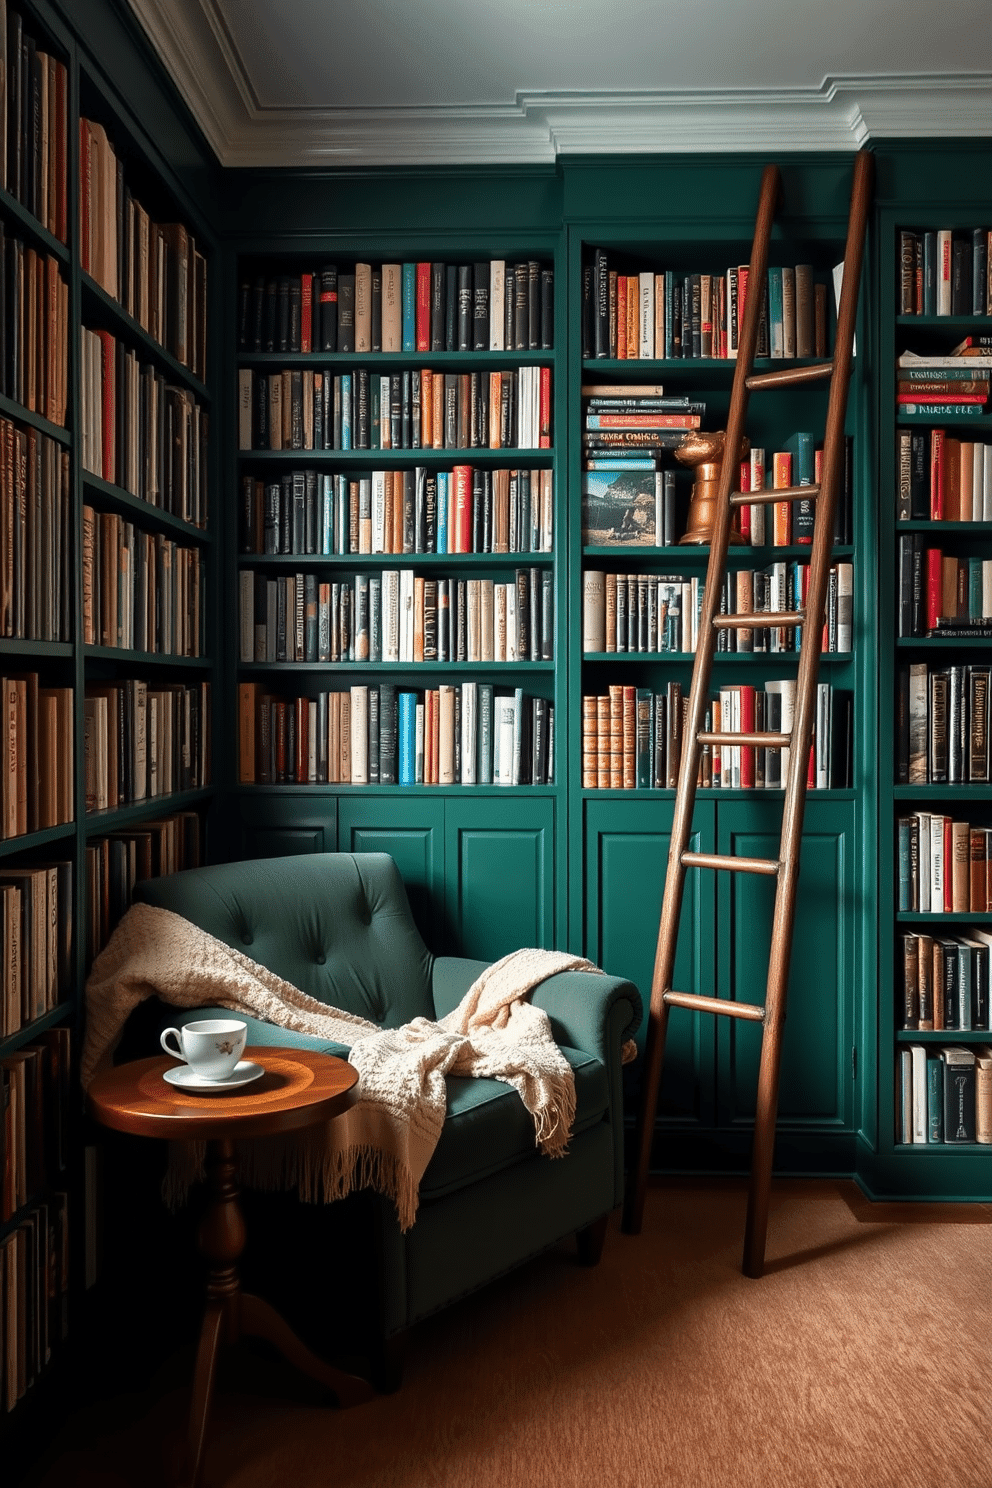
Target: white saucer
{"points": [[187, 1079]]}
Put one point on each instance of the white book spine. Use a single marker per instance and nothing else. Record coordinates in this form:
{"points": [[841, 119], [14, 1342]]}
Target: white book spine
{"points": [[470, 696], [497, 304], [359, 735]]}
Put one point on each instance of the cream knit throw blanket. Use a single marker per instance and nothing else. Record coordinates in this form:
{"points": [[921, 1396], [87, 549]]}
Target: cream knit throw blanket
{"points": [[386, 1138]]}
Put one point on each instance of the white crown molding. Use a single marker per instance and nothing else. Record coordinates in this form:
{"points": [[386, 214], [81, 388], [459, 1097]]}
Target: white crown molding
{"points": [[843, 113]]}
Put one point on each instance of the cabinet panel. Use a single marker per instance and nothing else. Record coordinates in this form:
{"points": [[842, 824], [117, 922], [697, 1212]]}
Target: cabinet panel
{"points": [[499, 857], [627, 845], [274, 826], [412, 832], [815, 1089]]}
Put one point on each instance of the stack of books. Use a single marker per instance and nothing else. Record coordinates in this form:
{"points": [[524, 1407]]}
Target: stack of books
{"points": [[627, 499], [952, 386]]}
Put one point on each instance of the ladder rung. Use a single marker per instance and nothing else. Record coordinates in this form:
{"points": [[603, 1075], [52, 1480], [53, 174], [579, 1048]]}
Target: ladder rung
{"points": [[788, 376], [769, 498], [718, 1005], [768, 866], [759, 620], [762, 741]]}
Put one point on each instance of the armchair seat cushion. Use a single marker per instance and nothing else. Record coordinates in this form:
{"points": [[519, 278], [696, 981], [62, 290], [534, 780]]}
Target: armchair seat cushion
{"points": [[488, 1127]]}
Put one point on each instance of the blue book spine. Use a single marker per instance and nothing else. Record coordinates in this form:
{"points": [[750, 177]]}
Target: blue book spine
{"points": [[935, 1099], [327, 514], [346, 410], [776, 335], [442, 511], [484, 763], [407, 728], [409, 307]]}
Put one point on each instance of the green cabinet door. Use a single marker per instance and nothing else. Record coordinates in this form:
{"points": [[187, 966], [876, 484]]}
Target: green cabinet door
{"points": [[274, 824], [627, 845], [411, 830], [815, 1093], [499, 872]]}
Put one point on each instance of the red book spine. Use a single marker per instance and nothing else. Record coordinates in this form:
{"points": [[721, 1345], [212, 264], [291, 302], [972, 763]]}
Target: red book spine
{"points": [[545, 437], [302, 740], [936, 475], [423, 322], [744, 512], [463, 508], [747, 727], [742, 276], [306, 313], [948, 865], [935, 586]]}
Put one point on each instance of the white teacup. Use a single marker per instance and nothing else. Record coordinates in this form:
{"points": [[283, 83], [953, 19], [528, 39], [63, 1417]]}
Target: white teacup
{"points": [[211, 1047]]}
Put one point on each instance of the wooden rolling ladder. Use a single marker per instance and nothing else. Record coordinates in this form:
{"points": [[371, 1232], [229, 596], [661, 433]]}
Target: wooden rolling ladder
{"points": [[785, 869]]}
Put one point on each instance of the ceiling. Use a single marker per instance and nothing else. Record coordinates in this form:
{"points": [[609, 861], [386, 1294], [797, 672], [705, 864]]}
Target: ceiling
{"points": [[320, 82]]}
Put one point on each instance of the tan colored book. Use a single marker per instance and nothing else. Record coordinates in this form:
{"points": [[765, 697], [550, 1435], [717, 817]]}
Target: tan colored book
{"points": [[446, 735], [983, 1094], [363, 307], [392, 308]]}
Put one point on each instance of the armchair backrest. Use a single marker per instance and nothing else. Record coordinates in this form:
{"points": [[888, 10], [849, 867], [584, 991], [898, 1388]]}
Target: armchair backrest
{"points": [[336, 925]]}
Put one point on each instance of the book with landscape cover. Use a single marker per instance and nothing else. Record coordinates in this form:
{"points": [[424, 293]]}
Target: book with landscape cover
{"points": [[618, 508]]}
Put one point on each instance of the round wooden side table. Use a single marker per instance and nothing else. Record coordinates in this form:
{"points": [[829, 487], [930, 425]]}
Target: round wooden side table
{"points": [[298, 1089]]}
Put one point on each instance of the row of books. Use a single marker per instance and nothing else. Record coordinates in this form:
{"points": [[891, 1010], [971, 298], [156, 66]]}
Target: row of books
{"points": [[940, 391], [944, 866], [942, 723], [154, 270], [34, 329], [36, 747], [651, 613], [468, 734], [142, 591], [36, 910], [396, 616], [34, 155], [394, 307], [632, 738], [941, 594], [34, 1295], [35, 1115], [114, 864], [944, 1095], [140, 432], [943, 478], [945, 271], [467, 509], [655, 314], [35, 528], [299, 409], [143, 741], [945, 980]]}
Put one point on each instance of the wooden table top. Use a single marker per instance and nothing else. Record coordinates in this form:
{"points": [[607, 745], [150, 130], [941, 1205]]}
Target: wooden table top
{"points": [[300, 1088]]}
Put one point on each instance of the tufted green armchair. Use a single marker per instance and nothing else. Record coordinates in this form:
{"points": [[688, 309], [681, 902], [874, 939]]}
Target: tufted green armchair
{"points": [[339, 927]]}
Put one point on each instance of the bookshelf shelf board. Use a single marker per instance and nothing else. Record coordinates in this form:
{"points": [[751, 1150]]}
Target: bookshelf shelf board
{"points": [[944, 322], [379, 361], [949, 917], [698, 556], [680, 366], [97, 302], [294, 561], [713, 793], [944, 643], [509, 455], [142, 511], [26, 222], [98, 823], [146, 658], [943, 1036], [11, 646], [977, 529], [981, 422], [765, 659], [378, 792], [22, 415], [943, 1149], [31, 840], [62, 1013], [403, 668], [946, 791]]}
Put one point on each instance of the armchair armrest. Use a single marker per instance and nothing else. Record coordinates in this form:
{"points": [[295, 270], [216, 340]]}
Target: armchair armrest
{"points": [[588, 1010]]}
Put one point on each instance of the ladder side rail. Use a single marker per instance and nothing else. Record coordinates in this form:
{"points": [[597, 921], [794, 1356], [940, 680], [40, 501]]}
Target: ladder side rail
{"points": [[685, 793], [795, 795]]}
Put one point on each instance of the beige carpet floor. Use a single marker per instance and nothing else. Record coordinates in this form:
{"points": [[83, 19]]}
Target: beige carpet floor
{"points": [[860, 1360]]}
